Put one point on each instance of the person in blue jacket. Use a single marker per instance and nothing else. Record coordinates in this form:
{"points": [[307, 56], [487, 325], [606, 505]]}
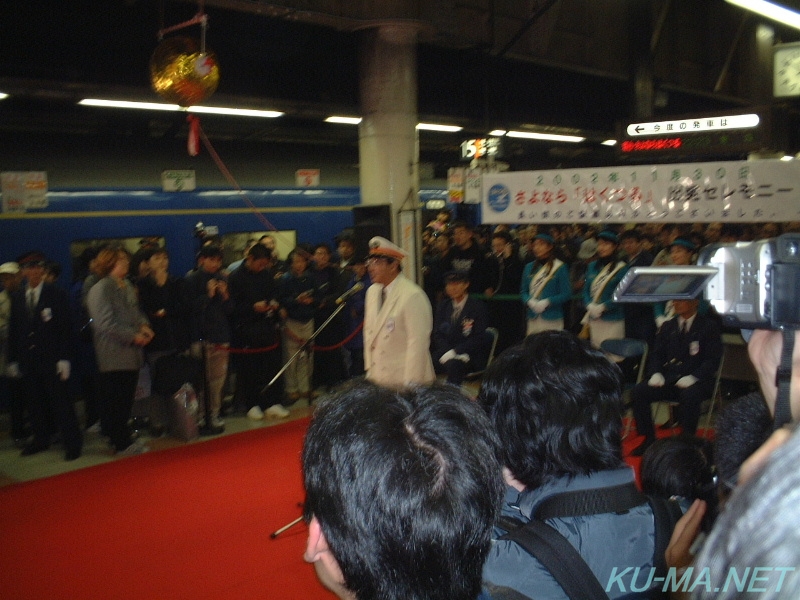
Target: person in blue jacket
{"points": [[545, 287], [604, 317]]}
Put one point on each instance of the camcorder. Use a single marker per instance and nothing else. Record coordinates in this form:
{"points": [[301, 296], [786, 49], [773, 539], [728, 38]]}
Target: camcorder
{"points": [[751, 285]]}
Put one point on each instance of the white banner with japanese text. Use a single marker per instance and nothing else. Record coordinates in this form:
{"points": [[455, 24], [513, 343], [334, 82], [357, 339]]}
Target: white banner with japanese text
{"points": [[735, 191]]}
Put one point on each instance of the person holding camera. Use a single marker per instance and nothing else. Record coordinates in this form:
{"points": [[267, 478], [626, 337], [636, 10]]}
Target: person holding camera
{"points": [[210, 305]]}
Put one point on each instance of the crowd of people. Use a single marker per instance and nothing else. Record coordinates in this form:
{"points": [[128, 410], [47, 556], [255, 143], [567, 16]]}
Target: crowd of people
{"points": [[127, 321], [415, 490]]}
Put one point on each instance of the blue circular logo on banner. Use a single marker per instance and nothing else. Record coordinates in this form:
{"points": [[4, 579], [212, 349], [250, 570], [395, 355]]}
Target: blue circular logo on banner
{"points": [[499, 197]]}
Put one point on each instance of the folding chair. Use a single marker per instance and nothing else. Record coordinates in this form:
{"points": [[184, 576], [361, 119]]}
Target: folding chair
{"points": [[716, 395], [628, 348], [495, 334]]}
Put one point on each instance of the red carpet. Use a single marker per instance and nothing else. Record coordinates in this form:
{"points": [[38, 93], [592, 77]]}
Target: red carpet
{"points": [[188, 523]]}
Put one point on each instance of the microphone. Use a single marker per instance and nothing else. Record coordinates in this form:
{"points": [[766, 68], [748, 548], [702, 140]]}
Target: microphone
{"points": [[349, 293]]}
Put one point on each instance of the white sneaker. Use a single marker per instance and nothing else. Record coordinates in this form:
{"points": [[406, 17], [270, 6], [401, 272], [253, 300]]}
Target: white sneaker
{"points": [[255, 413], [277, 411], [135, 448]]}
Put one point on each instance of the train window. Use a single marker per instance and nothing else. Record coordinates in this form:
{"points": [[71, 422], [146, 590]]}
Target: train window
{"points": [[80, 249], [235, 244]]}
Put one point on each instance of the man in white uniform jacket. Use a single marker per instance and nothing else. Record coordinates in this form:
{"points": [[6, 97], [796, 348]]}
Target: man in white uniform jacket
{"points": [[397, 322]]}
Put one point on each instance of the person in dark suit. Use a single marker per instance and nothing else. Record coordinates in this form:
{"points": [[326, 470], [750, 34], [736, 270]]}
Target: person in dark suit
{"points": [[460, 343], [40, 352], [639, 320], [682, 367]]}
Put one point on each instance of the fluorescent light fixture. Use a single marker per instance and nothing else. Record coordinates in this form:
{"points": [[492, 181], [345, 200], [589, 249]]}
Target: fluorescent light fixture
{"points": [[787, 157], [435, 127], [217, 110], [497, 132], [344, 120], [609, 142], [552, 137], [236, 112], [770, 10], [3, 96]]}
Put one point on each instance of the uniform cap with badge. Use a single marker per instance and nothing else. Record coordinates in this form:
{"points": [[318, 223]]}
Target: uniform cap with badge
{"points": [[380, 247]]}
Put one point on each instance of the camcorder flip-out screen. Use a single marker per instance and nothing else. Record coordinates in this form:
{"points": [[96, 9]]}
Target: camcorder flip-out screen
{"points": [[657, 284]]}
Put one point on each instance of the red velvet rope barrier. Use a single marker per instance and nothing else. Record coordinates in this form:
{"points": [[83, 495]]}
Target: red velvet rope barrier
{"points": [[326, 348], [295, 338]]}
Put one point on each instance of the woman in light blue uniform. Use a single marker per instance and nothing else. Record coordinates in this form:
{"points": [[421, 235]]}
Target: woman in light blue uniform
{"points": [[605, 317], [545, 287]]}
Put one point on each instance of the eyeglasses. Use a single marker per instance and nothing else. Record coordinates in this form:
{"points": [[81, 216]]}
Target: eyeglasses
{"points": [[373, 259]]}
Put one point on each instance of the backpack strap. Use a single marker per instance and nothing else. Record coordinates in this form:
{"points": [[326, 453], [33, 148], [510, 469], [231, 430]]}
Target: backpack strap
{"points": [[665, 515], [557, 555], [580, 503]]}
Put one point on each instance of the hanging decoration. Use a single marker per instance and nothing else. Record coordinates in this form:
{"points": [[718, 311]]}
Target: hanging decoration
{"points": [[183, 72]]}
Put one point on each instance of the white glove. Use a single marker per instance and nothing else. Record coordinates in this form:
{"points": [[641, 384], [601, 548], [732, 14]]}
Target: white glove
{"points": [[463, 357], [12, 370], [660, 320], [449, 355], [595, 310], [686, 381], [656, 380], [63, 368], [539, 306]]}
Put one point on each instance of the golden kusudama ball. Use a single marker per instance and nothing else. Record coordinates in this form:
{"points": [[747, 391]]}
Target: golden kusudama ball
{"points": [[181, 74]]}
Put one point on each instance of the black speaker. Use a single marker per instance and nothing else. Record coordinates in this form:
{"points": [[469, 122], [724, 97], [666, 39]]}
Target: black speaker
{"points": [[369, 221]]}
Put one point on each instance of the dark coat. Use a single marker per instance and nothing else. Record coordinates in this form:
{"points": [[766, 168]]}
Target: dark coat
{"points": [[37, 342], [467, 336], [697, 353]]}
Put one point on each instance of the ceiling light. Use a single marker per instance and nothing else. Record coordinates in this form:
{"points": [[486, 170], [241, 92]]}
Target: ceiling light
{"points": [[218, 110], [498, 132], [435, 127], [609, 142], [344, 120], [770, 10], [3, 96], [553, 137]]}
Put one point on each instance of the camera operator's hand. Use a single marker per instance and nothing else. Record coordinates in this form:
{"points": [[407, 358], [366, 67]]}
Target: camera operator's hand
{"points": [[764, 349], [656, 380], [678, 553]]}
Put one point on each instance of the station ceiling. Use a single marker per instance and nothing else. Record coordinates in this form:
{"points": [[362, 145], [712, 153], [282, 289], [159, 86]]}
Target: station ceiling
{"points": [[582, 65]]}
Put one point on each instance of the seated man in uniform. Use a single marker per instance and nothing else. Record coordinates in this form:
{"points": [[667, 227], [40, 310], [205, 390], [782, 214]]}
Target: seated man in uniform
{"points": [[460, 344], [682, 367]]}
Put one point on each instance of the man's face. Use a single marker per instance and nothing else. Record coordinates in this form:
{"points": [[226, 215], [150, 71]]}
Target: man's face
{"points": [[256, 265], [211, 264], [322, 258], [499, 246], [462, 237], [33, 274], [382, 270], [456, 289], [630, 246], [346, 250], [685, 308], [541, 249]]}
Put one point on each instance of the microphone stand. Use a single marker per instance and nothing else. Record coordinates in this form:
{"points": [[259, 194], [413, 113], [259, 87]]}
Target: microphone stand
{"points": [[305, 346], [339, 308]]}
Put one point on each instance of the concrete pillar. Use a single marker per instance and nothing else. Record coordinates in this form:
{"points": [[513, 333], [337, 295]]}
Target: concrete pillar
{"points": [[388, 148]]}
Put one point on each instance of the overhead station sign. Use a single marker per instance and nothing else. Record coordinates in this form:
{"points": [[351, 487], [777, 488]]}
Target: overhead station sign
{"points": [[713, 135], [694, 125]]}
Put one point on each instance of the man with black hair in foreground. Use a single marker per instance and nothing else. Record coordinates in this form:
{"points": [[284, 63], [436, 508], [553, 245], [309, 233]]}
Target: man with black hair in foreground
{"points": [[402, 489], [556, 403]]}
